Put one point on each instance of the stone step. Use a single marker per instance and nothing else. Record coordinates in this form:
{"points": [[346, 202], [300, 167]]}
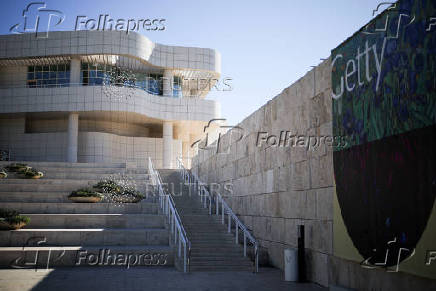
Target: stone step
{"points": [[107, 171], [205, 240], [91, 176], [95, 221], [54, 185], [228, 262], [210, 234], [100, 171], [216, 252], [49, 181], [61, 196], [83, 208], [83, 237], [65, 164], [86, 256], [58, 186], [214, 244], [224, 268], [46, 181], [205, 228], [210, 237], [199, 223], [216, 256], [200, 218]]}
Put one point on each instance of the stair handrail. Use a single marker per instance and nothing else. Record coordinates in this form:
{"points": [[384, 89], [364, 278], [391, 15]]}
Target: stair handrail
{"points": [[206, 198], [167, 205]]}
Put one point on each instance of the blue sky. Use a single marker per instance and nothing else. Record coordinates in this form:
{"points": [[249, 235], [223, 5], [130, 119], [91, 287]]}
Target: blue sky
{"points": [[265, 45]]}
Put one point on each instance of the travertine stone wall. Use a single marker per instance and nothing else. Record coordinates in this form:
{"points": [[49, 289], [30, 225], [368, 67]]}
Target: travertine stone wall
{"points": [[275, 189]]}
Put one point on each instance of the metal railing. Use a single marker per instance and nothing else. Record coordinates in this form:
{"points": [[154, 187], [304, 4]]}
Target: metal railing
{"points": [[111, 85], [167, 206], [208, 200]]}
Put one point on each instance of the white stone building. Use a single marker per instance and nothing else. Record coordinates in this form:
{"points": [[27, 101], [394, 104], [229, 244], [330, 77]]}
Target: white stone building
{"points": [[103, 96]]}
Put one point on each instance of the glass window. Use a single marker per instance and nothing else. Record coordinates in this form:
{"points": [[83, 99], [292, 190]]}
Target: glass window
{"points": [[48, 75]]}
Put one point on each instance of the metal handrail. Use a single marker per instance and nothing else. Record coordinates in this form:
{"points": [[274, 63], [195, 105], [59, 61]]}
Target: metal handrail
{"points": [[206, 198], [167, 205]]}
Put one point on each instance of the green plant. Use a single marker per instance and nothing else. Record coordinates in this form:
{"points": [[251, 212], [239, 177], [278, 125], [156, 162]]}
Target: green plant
{"points": [[18, 167], [3, 173], [12, 217], [8, 213], [109, 186], [29, 173], [85, 192], [133, 193], [17, 219]]}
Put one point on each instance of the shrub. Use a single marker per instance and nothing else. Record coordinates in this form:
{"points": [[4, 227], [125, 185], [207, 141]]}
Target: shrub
{"points": [[85, 192], [32, 173], [18, 167], [3, 173], [8, 213], [115, 192], [109, 186], [13, 217]]}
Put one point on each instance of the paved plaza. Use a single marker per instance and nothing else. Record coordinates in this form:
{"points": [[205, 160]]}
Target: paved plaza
{"points": [[143, 278]]}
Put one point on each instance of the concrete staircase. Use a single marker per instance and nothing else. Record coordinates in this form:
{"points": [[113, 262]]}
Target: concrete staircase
{"points": [[69, 229], [212, 247]]}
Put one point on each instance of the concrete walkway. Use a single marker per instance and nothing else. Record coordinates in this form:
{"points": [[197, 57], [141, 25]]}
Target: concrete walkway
{"points": [[145, 278]]}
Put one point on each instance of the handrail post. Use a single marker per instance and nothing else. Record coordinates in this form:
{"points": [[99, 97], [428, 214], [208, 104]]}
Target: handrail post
{"points": [[237, 232], [201, 193], [256, 259], [184, 258], [210, 206], [222, 210], [180, 247], [245, 244], [175, 230], [217, 206], [230, 223]]}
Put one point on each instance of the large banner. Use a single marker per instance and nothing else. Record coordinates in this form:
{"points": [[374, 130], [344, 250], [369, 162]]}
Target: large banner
{"points": [[384, 103]]}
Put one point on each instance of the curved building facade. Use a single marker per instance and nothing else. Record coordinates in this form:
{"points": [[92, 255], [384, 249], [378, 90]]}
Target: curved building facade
{"points": [[103, 96]]}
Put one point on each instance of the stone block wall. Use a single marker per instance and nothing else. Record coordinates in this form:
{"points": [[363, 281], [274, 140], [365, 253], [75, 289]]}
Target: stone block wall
{"points": [[276, 188]]}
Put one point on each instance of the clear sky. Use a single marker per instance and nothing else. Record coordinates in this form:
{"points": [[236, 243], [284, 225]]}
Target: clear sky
{"points": [[265, 45]]}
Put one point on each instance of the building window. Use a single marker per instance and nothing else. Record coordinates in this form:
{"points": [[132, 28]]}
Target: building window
{"points": [[48, 76], [177, 86], [94, 74], [101, 74], [151, 83]]}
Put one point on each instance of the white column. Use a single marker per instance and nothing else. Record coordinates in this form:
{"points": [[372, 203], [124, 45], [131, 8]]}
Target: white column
{"points": [[75, 70], [167, 153], [167, 86], [73, 134], [185, 154]]}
